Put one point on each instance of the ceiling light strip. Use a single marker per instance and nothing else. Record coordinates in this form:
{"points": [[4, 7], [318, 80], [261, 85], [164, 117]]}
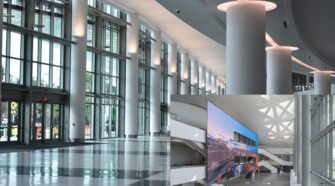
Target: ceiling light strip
{"points": [[273, 43]]}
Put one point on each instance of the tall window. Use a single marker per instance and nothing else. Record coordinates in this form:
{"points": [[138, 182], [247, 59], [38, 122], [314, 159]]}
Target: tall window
{"points": [[103, 71], [190, 76], [180, 82], [13, 42], [48, 55], [144, 79], [164, 84], [164, 73]]}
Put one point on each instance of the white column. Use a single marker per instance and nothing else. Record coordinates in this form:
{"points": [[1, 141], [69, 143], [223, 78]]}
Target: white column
{"points": [[195, 77], [306, 140], [186, 69], [246, 46], [218, 85], [155, 104], [78, 71], [131, 98], [214, 87], [172, 67], [278, 70], [172, 58], [172, 80], [202, 75], [208, 81], [322, 82], [299, 137]]}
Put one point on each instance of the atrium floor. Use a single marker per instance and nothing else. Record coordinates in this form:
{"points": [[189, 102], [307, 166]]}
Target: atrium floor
{"points": [[141, 161]]}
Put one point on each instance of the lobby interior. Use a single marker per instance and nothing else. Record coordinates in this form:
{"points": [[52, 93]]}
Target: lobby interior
{"points": [[86, 85]]}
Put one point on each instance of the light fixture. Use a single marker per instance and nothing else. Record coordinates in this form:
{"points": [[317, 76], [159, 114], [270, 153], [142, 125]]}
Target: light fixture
{"points": [[290, 48], [225, 6], [323, 72]]}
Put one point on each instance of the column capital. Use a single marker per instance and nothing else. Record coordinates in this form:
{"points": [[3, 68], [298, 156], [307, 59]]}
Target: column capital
{"points": [[224, 7]]}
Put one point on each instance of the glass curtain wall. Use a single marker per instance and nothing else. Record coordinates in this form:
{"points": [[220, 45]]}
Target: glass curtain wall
{"points": [[323, 136], [48, 54], [13, 42], [180, 82], [144, 79], [32, 61], [103, 72], [164, 85], [191, 75]]}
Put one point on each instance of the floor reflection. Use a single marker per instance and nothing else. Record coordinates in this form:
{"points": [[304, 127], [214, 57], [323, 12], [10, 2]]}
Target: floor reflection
{"points": [[142, 161]]}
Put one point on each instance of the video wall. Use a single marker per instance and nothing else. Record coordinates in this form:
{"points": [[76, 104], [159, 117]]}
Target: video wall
{"points": [[232, 147]]}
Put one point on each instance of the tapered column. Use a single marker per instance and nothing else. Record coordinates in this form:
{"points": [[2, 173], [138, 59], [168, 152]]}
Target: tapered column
{"points": [[131, 101], [78, 71], [202, 83], [195, 77], [278, 70], [322, 82], [186, 69], [155, 113], [246, 46], [306, 140]]}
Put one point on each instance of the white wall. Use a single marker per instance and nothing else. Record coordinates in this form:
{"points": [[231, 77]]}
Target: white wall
{"points": [[190, 114]]}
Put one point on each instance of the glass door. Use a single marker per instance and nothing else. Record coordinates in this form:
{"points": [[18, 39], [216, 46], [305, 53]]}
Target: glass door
{"points": [[109, 118], [10, 128], [37, 117], [46, 122]]}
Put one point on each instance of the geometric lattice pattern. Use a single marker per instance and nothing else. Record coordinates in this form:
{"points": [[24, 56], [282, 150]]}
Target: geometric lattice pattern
{"points": [[279, 118]]}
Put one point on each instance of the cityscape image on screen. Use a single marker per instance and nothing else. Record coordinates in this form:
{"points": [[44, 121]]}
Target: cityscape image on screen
{"points": [[232, 147]]}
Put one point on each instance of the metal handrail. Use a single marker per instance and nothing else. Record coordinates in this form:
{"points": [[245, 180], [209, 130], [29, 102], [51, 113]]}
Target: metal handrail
{"points": [[328, 180]]}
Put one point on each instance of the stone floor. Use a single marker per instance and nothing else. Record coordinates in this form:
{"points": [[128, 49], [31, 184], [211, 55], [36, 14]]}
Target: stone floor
{"points": [[264, 179], [142, 161]]}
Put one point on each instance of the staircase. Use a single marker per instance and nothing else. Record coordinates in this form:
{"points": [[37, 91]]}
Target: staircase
{"points": [[274, 157], [196, 146], [268, 166]]}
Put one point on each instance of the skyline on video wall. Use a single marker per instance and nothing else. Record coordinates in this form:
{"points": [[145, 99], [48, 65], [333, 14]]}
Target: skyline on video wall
{"points": [[222, 126]]}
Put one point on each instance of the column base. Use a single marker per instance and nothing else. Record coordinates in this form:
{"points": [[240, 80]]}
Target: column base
{"points": [[155, 133], [78, 140], [131, 136]]}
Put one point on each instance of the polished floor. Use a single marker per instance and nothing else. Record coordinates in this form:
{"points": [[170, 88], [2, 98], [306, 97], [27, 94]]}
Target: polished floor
{"points": [[142, 161], [262, 179]]}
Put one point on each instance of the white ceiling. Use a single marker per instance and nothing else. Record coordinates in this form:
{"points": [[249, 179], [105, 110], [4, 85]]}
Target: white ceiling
{"points": [[272, 118], [202, 48], [307, 26]]}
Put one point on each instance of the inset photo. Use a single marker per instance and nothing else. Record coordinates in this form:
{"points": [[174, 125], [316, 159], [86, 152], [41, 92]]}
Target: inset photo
{"points": [[232, 140]]}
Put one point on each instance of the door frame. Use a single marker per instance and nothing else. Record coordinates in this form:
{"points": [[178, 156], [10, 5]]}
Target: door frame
{"points": [[33, 139]]}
